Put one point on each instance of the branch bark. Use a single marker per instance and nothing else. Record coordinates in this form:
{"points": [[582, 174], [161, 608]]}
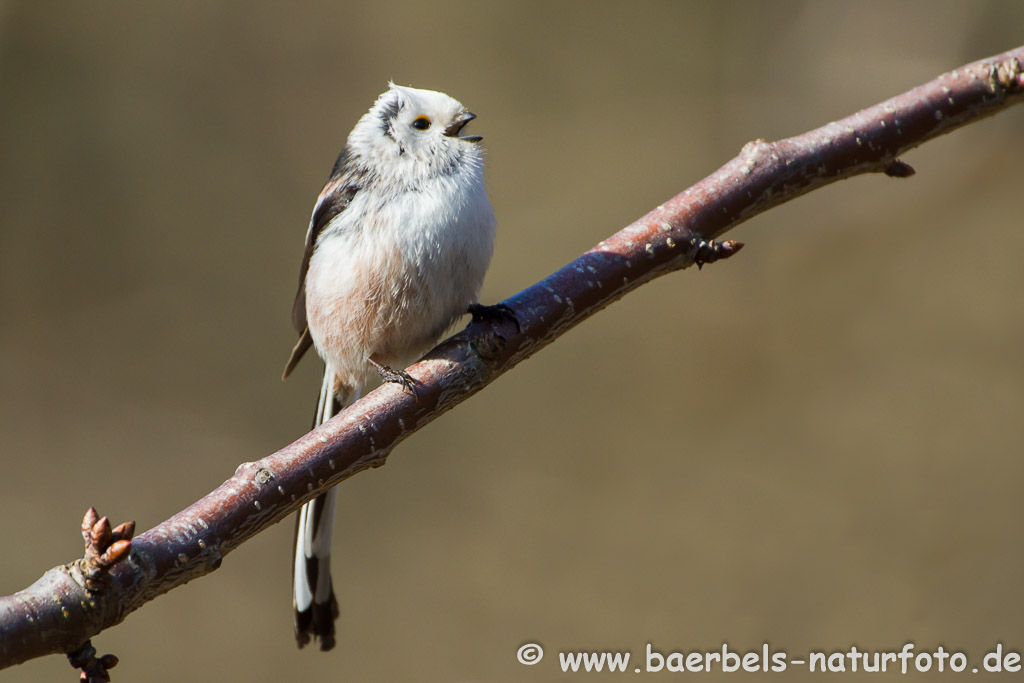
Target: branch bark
{"points": [[62, 610]]}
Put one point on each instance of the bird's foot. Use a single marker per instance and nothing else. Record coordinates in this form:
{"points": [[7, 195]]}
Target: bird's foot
{"points": [[393, 376], [496, 313]]}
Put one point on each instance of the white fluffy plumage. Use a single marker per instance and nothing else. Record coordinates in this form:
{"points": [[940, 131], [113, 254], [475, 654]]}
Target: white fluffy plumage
{"points": [[396, 251]]}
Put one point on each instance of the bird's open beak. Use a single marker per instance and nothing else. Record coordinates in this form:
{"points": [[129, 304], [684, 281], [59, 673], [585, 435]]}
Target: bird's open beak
{"points": [[453, 130]]}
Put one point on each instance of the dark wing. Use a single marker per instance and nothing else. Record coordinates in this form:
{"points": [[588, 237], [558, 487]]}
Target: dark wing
{"points": [[305, 341], [337, 194]]}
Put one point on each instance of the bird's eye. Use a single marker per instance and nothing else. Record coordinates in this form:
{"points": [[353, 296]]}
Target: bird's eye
{"points": [[421, 123]]}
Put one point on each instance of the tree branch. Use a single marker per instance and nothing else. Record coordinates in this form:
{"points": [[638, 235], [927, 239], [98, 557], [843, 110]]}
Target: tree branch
{"points": [[68, 605]]}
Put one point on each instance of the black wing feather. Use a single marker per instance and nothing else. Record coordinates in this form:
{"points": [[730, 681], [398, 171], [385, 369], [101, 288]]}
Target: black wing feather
{"points": [[337, 194]]}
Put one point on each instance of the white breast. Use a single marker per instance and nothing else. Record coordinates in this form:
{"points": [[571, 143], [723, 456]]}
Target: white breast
{"points": [[390, 274]]}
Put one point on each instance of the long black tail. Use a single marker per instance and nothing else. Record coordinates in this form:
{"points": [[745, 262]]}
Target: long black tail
{"points": [[316, 608]]}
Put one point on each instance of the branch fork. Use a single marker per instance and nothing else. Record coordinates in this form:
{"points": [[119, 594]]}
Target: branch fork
{"points": [[104, 548]]}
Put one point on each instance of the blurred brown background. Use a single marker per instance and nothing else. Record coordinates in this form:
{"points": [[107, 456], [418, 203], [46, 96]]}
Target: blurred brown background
{"points": [[816, 444]]}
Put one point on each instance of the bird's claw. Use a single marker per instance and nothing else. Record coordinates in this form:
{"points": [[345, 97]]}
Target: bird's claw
{"points": [[497, 313]]}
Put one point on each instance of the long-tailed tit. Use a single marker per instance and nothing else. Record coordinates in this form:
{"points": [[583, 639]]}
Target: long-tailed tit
{"points": [[396, 251]]}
